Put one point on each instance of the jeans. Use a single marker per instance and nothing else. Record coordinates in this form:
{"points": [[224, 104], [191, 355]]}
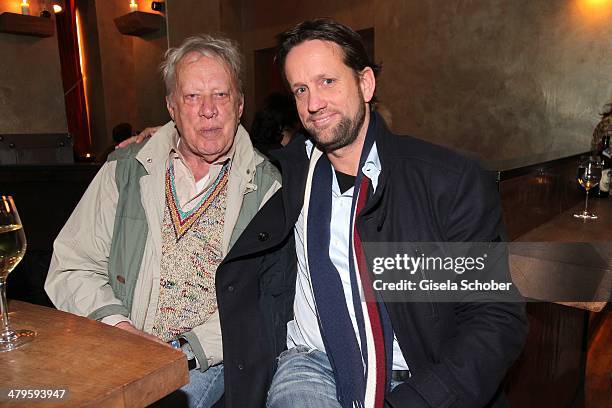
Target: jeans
{"points": [[202, 391], [304, 379]]}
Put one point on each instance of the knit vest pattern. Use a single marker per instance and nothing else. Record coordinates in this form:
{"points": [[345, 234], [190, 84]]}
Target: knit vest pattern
{"points": [[187, 296]]}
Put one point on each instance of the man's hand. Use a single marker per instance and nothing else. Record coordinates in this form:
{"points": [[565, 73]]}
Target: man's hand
{"points": [[139, 138], [128, 327]]}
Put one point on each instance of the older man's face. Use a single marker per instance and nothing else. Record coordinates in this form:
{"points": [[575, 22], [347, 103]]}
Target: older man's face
{"points": [[206, 107]]}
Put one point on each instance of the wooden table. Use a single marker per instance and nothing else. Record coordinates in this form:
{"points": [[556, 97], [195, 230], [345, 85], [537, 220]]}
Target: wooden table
{"points": [[98, 365], [551, 369], [567, 228], [553, 262]]}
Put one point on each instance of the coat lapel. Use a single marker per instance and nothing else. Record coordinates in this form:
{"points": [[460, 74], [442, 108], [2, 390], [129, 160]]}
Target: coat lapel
{"points": [[384, 145], [294, 163], [286, 201]]}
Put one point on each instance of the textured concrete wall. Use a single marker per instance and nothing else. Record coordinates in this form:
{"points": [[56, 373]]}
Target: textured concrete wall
{"points": [[501, 78], [31, 92]]}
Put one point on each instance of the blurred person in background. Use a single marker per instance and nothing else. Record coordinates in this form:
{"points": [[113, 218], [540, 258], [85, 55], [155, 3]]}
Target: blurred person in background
{"points": [[275, 124]]}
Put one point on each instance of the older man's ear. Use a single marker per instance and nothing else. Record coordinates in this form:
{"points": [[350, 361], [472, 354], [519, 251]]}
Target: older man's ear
{"points": [[170, 105], [241, 108]]}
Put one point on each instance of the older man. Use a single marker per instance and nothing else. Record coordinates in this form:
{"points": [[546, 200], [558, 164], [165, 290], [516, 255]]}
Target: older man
{"points": [[160, 224]]}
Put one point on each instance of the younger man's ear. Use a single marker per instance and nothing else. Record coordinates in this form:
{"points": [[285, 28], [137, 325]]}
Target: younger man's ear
{"points": [[367, 83]]}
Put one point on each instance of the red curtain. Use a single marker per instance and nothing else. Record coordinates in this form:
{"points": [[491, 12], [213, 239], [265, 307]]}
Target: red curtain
{"points": [[74, 90]]}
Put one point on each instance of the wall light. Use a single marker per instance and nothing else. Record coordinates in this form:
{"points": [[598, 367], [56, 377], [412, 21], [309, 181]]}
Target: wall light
{"points": [[46, 6], [133, 5], [158, 6], [25, 8], [597, 3], [594, 13]]}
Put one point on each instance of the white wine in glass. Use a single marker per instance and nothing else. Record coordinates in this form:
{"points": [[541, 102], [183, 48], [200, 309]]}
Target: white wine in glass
{"points": [[12, 248], [589, 174]]}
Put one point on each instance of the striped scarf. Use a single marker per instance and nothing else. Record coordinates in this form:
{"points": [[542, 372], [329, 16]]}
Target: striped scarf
{"points": [[361, 368]]}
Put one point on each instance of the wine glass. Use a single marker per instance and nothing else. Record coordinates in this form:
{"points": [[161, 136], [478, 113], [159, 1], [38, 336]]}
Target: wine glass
{"points": [[589, 174], [12, 249]]}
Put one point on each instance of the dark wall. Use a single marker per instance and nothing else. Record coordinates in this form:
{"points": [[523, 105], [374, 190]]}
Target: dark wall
{"points": [[190, 17], [263, 20], [123, 79], [45, 197]]}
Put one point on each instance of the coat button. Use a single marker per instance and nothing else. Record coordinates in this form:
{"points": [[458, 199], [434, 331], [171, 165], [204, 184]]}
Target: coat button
{"points": [[240, 367], [230, 288], [263, 236]]}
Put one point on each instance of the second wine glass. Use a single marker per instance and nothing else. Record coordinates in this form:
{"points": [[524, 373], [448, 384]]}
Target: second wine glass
{"points": [[589, 174]]}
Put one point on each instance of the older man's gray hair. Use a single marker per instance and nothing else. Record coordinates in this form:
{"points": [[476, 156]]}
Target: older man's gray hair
{"points": [[223, 48]]}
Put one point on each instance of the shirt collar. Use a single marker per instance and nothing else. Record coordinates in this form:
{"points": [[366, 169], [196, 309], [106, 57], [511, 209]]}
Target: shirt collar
{"points": [[372, 168]]}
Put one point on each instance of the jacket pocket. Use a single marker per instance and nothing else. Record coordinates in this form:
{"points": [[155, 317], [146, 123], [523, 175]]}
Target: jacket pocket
{"points": [[277, 273], [126, 253]]}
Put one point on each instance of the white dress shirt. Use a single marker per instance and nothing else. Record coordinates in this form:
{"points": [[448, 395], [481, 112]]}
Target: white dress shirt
{"points": [[304, 328]]}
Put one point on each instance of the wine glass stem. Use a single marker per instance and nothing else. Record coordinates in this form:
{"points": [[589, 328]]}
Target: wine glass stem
{"points": [[4, 328], [586, 202]]}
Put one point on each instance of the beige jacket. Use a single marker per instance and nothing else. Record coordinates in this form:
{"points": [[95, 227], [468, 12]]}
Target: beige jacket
{"points": [[77, 281]]}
